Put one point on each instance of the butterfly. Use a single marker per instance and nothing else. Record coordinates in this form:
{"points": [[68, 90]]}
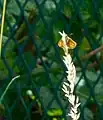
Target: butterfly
{"points": [[71, 44]]}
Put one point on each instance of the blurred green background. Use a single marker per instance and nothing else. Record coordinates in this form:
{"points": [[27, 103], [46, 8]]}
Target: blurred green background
{"points": [[30, 50]]}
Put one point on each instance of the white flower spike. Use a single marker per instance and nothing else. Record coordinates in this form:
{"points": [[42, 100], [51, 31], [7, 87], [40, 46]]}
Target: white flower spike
{"points": [[67, 43]]}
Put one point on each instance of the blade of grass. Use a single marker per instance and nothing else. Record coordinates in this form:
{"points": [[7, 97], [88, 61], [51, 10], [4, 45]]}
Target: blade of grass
{"points": [[2, 96], [2, 24]]}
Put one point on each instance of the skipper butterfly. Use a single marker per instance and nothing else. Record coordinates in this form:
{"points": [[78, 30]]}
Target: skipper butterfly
{"points": [[69, 42]]}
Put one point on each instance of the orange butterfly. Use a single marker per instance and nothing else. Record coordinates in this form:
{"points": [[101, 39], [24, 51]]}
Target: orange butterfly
{"points": [[69, 42]]}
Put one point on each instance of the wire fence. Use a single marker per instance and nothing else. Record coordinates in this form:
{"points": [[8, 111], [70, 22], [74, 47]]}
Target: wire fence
{"points": [[30, 50]]}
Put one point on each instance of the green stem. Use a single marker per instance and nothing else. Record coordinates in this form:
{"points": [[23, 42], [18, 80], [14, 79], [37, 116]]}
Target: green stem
{"points": [[2, 24], [2, 96]]}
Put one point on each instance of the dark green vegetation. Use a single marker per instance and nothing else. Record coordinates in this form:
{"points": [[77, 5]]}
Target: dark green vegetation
{"points": [[30, 50]]}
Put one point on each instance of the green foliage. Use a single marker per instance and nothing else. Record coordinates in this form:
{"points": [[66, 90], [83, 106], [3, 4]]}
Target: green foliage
{"points": [[78, 18]]}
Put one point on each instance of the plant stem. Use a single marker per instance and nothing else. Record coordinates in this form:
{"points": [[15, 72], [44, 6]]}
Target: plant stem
{"points": [[2, 24], [2, 96], [92, 53]]}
